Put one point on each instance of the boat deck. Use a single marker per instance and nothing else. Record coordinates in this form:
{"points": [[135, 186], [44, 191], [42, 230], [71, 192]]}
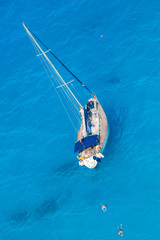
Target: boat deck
{"points": [[103, 124], [99, 122]]}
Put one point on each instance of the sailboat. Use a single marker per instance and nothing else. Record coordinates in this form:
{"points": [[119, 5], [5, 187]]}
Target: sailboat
{"points": [[93, 131]]}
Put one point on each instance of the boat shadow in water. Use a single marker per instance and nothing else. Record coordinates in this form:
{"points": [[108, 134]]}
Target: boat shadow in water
{"points": [[67, 169]]}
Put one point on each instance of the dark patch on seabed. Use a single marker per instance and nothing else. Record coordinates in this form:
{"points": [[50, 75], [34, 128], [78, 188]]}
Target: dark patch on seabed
{"points": [[107, 79], [114, 80], [46, 208], [19, 218]]}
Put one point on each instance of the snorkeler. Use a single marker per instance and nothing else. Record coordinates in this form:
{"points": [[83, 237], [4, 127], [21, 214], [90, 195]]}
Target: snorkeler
{"points": [[120, 230], [104, 208]]}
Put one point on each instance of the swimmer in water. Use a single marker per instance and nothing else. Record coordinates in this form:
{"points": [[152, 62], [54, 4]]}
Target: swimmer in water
{"points": [[120, 230], [104, 208]]}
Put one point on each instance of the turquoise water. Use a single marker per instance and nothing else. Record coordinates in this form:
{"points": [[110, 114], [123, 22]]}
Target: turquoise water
{"points": [[44, 194]]}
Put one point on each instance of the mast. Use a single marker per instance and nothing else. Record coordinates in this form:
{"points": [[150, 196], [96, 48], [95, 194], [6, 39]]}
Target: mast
{"points": [[62, 63], [51, 64]]}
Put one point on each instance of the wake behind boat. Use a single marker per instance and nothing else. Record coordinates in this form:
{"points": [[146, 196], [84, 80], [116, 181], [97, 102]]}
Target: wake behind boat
{"points": [[94, 130]]}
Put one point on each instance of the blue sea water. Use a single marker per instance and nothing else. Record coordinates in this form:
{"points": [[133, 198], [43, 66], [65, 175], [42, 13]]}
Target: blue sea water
{"points": [[44, 194]]}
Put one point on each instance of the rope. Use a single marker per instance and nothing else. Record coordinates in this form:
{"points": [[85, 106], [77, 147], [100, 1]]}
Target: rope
{"points": [[64, 93], [36, 49], [61, 62]]}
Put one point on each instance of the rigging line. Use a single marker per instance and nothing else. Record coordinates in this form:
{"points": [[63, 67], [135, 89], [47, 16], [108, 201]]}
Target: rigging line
{"points": [[50, 63], [80, 92], [74, 103], [74, 113], [55, 88], [56, 77], [64, 90], [67, 93], [66, 83], [76, 91], [44, 52], [76, 108], [70, 97], [61, 63], [61, 100], [58, 95]]}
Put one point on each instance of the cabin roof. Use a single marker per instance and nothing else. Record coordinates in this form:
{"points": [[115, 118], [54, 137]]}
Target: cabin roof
{"points": [[86, 142]]}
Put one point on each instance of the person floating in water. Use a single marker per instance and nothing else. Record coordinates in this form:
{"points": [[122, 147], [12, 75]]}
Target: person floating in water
{"points": [[104, 208], [120, 230]]}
